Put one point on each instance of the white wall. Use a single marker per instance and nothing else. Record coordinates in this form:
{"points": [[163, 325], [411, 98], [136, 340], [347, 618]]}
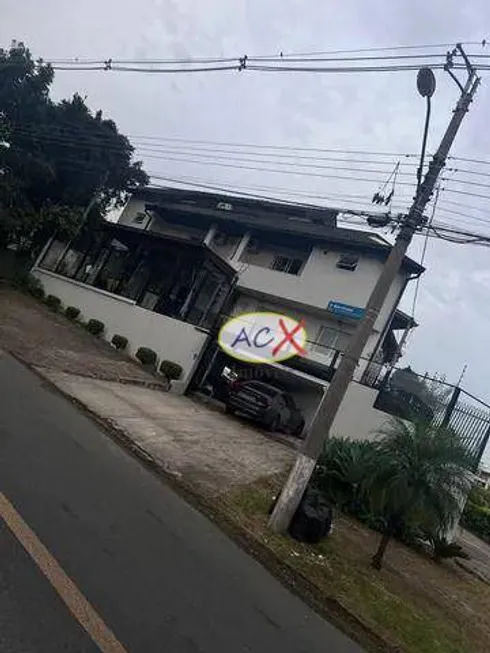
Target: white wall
{"points": [[313, 324], [357, 419], [171, 339], [156, 225], [321, 281], [130, 211]]}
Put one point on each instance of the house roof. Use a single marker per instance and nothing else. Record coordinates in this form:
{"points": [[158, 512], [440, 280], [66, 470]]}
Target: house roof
{"points": [[307, 223]]}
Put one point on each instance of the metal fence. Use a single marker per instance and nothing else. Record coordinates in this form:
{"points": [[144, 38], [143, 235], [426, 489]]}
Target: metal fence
{"points": [[410, 396]]}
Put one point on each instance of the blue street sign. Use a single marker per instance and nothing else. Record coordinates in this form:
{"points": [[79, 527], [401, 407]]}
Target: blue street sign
{"points": [[345, 310]]}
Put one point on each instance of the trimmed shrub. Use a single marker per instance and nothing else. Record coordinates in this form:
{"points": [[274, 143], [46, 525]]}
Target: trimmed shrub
{"points": [[119, 342], [146, 356], [95, 327], [72, 312], [31, 284], [477, 520], [53, 302], [173, 371]]}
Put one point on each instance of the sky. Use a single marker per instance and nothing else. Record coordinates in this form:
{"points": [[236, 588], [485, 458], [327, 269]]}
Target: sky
{"points": [[375, 112]]}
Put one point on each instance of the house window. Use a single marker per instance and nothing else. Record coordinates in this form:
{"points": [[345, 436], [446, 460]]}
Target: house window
{"points": [[52, 255], [331, 339], [348, 262], [286, 264]]}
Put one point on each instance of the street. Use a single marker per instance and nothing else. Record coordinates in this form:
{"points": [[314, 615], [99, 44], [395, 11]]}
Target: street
{"points": [[99, 554]]}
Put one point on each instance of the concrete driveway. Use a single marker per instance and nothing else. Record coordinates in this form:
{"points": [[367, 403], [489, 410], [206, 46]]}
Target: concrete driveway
{"points": [[192, 441]]}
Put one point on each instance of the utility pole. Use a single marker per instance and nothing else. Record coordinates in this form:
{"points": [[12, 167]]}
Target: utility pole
{"points": [[305, 463]]}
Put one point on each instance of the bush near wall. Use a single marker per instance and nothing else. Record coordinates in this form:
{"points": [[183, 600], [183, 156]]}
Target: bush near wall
{"points": [[95, 327], [146, 356], [53, 302], [476, 519], [173, 371], [119, 342], [29, 283], [72, 312], [476, 515]]}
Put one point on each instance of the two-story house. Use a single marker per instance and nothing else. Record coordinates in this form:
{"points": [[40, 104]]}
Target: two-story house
{"points": [[145, 279]]}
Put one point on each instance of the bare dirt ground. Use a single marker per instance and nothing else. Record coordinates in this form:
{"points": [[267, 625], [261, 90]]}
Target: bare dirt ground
{"points": [[42, 338]]}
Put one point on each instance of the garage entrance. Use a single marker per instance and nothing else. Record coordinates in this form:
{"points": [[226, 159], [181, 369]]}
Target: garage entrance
{"points": [[215, 366]]}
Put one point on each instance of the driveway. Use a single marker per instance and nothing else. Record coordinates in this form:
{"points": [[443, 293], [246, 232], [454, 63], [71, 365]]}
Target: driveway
{"points": [[203, 446], [192, 441]]}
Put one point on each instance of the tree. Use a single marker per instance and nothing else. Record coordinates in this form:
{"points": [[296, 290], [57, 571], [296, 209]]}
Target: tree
{"points": [[55, 158], [422, 474]]}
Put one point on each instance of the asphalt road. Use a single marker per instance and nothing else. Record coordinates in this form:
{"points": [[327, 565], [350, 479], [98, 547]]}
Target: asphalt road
{"points": [[161, 577]]}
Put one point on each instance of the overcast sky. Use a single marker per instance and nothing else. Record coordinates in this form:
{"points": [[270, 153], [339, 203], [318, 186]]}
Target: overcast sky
{"points": [[373, 112]]}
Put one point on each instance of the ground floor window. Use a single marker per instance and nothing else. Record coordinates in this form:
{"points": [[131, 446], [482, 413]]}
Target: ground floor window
{"points": [[331, 339]]}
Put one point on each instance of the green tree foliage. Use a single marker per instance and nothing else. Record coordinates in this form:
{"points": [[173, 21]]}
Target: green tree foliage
{"points": [[55, 157], [476, 515], [421, 476], [407, 484]]}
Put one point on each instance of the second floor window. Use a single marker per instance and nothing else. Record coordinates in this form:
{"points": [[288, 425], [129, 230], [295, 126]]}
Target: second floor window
{"points": [[287, 264], [348, 262], [331, 339]]}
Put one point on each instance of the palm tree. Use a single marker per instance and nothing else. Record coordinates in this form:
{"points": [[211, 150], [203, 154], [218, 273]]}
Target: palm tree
{"points": [[421, 476]]}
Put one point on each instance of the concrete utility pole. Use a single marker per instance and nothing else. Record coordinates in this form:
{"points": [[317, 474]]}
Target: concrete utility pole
{"points": [[318, 431]]}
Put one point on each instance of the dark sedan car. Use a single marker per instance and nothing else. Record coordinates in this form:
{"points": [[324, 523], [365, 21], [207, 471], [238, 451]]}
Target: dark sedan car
{"points": [[266, 404]]}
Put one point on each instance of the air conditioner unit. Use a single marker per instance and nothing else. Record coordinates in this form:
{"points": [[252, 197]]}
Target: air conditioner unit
{"points": [[224, 206], [220, 239]]}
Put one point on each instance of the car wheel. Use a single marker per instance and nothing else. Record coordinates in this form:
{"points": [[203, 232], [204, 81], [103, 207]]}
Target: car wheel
{"points": [[273, 424], [298, 430]]}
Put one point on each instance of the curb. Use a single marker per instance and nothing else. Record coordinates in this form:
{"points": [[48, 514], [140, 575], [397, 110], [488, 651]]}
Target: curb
{"points": [[124, 380], [327, 607]]}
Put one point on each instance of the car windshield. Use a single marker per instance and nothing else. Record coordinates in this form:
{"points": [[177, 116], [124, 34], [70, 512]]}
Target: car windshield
{"points": [[263, 388]]}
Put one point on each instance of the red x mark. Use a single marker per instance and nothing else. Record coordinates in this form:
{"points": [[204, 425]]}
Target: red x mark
{"points": [[288, 337]]}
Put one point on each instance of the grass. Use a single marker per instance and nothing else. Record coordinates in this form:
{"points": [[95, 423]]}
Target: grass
{"points": [[414, 604]]}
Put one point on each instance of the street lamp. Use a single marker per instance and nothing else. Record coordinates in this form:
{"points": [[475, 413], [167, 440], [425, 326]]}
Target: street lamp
{"points": [[426, 86]]}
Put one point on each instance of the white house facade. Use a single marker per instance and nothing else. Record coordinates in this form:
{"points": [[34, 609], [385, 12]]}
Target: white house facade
{"points": [[239, 255]]}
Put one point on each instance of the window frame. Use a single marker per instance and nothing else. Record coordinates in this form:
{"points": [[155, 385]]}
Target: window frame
{"points": [[289, 263], [344, 264]]}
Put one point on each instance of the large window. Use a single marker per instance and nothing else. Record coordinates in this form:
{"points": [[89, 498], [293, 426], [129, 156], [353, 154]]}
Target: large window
{"points": [[287, 264], [53, 254], [180, 282], [207, 297], [74, 256], [331, 339]]}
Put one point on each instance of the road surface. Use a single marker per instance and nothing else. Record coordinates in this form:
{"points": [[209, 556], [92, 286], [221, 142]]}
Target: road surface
{"points": [[99, 555]]}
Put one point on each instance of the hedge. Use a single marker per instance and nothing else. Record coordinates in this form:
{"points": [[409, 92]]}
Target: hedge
{"points": [[95, 327], [146, 356], [173, 371], [53, 302], [119, 342], [72, 312]]}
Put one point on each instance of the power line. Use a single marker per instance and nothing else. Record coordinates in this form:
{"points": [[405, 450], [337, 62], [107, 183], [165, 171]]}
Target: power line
{"points": [[424, 250], [259, 146]]}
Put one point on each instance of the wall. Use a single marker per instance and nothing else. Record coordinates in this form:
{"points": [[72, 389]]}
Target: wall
{"points": [[156, 225], [171, 339], [313, 324], [321, 281], [129, 213], [357, 419], [227, 249]]}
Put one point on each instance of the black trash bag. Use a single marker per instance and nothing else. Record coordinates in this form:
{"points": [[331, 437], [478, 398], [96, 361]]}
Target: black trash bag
{"points": [[312, 520]]}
